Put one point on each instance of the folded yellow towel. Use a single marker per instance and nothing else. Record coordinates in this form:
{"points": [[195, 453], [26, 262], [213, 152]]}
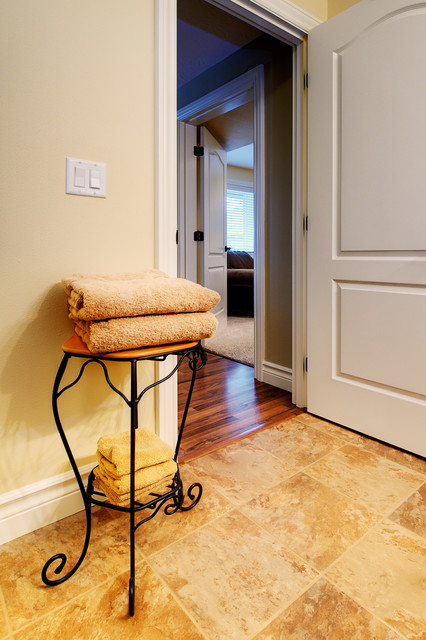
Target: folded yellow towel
{"points": [[114, 451], [141, 495], [150, 292], [118, 334], [143, 477]]}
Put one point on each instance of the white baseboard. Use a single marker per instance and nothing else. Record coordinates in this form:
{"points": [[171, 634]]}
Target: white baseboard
{"points": [[36, 505], [277, 376]]}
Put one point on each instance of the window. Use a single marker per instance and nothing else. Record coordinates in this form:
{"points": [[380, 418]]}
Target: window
{"points": [[240, 217]]}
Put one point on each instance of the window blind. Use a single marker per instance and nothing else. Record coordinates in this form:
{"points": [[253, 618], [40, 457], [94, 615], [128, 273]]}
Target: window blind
{"points": [[240, 217]]}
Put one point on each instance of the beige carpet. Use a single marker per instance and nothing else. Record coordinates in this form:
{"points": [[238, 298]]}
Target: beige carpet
{"points": [[235, 342]]}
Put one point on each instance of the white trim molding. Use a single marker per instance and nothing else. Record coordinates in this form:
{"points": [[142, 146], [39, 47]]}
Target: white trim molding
{"points": [[278, 376], [165, 136], [280, 18], [166, 190], [28, 508]]}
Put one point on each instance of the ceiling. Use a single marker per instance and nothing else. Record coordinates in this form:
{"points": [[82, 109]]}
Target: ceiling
{"points": [[233, 129], [207, 36]]}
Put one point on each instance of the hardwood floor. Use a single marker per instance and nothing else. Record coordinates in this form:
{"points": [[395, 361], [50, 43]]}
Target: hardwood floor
{"points": [[227, 404]]}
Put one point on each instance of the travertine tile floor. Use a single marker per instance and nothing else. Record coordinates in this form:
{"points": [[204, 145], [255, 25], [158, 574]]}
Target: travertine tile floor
{"points": [[304, 531]]}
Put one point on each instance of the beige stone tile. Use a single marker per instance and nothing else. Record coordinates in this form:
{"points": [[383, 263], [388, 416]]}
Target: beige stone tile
{"points": [[103, 613], [324, 613], [4, 627], [311, 519], [386, 573], [378, 483], [328, 427], [295, 443], [164, 529], [232, 576], [22, 560], [401, 457], [412, 513], [241, 471]]}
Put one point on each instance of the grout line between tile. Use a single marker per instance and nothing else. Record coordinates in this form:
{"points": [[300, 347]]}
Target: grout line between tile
{"points": [[294, 553], [51, 612], [404, 500], [281, 611], [363, 503], [302, 468], [366, 608], [331, 435], [190, 533], [177, 600], [354, 544], [360, 445]]}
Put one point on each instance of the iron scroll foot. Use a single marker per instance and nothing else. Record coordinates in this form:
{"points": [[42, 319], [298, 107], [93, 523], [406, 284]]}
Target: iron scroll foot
{"points": [[131, 597], [63, 558], [194, 493]]}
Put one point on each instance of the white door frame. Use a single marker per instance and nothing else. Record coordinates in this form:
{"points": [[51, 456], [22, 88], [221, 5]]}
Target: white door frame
{"points": [[248, 87], [282, 19]]}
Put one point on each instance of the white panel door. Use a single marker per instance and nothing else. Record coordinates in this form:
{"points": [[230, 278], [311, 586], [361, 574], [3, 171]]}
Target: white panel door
{"points": [[367, 221], [213, 221]]}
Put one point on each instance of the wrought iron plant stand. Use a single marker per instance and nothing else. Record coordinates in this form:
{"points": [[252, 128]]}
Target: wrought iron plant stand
{"points": [[173, 498]]}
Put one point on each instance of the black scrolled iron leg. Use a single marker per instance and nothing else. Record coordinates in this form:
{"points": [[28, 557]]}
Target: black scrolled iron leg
{"points": [[131, 597], [61, 557]]}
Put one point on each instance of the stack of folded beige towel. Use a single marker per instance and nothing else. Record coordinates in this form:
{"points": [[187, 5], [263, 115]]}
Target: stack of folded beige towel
{"points": [[154, 465], [133, 310]]}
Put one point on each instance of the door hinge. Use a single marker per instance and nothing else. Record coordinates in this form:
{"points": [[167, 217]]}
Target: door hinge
{"points": [[198, 236], [177, 236], [306, 81], [305, 224], [305, 365], [198, 151]]}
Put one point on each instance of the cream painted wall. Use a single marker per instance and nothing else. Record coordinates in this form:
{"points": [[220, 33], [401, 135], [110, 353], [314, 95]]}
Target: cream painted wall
{"points": [[317, 8], [324, 9], [77, 79], [337, 6]]}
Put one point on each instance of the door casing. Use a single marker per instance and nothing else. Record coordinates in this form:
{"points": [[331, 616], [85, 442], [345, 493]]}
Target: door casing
{"points": [[289, 24]]}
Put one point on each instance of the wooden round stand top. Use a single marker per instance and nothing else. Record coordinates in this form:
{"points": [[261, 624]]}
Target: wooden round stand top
{"points": [[75, 346]]}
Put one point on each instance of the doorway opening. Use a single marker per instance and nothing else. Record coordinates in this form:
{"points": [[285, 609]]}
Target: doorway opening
{"points": [[228, 207], [214, 87]]}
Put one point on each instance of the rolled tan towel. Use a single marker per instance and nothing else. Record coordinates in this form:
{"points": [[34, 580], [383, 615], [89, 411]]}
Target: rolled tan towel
{"points": [[114, 451], [119, 334], [124, 499], [100, 297], [143, 477]]}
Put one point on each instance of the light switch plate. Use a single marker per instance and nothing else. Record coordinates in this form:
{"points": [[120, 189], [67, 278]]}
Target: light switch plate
{"points": [[79, 178]]}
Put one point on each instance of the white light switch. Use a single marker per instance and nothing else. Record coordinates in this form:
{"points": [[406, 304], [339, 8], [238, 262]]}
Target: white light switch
{"points": [[79, 177], [95, 179], [85, 178]]}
